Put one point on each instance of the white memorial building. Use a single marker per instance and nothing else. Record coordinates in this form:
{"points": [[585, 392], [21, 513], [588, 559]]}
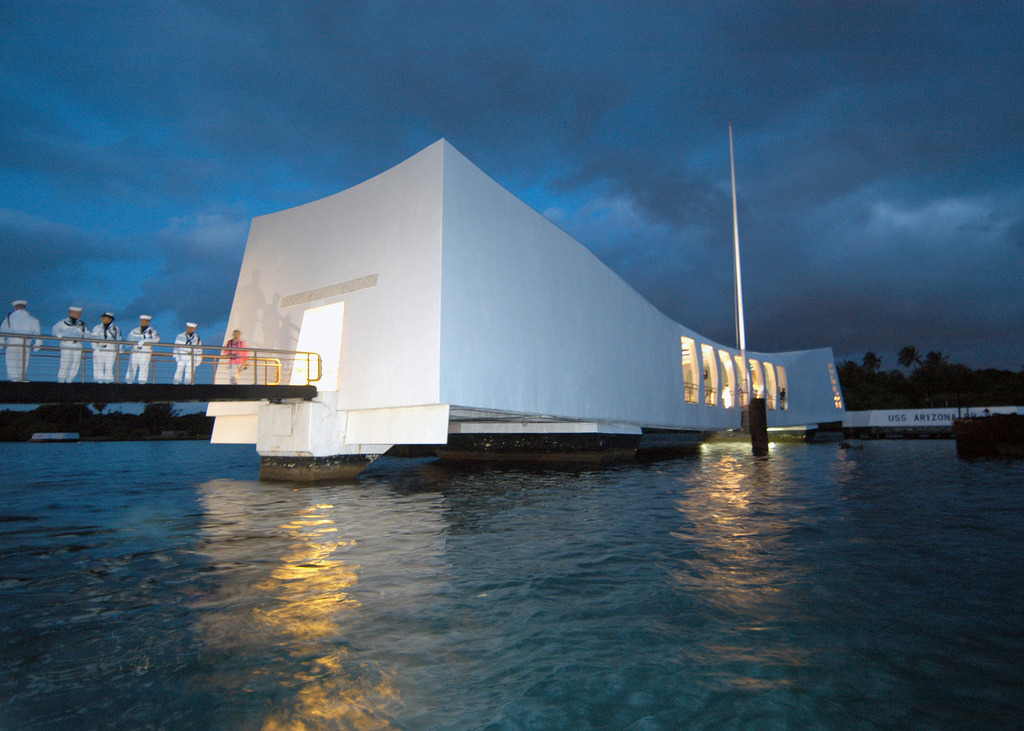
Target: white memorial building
{"points": [[450, 313]]}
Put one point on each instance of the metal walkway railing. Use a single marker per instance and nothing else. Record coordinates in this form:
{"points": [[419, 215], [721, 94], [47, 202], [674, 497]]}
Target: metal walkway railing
{"points": [[38, 359]]}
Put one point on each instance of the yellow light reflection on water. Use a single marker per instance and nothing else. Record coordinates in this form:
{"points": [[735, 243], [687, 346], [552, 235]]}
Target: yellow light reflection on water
{"points": [[301, 607], [740, 564]]}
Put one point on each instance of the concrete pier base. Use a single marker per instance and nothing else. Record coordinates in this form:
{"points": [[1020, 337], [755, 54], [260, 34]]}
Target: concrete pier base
{"points": [[316, 441], [314, 469]]}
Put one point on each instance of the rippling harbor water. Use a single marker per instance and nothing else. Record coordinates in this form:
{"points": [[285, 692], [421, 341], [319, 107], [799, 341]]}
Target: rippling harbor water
{"points": [[161, 585]]}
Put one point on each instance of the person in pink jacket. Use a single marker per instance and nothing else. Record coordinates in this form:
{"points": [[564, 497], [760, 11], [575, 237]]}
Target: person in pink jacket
{"points": [[238, 356]]}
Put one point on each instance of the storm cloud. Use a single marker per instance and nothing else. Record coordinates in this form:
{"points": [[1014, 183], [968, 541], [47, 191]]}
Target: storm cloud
{"points": [[878, 150]]}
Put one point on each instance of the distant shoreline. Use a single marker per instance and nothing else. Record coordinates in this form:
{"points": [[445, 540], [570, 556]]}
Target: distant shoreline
{"points": [[158, 422], [150, 438]]}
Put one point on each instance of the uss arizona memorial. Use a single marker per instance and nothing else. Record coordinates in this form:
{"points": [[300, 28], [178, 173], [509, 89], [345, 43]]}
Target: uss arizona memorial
{"points": [[448, 312]]}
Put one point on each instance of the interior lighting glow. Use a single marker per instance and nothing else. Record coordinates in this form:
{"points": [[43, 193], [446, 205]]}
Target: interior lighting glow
{"points": [[728, 381], [710, 375], [321, 333], [689, 358]]}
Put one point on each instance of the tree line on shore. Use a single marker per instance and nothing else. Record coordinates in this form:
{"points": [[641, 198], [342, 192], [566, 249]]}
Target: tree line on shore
{"points": [[925, 381], [156, 421]]}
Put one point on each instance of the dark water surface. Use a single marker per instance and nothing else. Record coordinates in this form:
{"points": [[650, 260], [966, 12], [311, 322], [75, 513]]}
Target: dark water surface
{"points": [[161, 585]]}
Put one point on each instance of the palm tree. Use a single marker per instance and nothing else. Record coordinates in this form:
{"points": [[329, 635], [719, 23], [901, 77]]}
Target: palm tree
{"points": [[935, 359], [872, 362], [909, 356]]}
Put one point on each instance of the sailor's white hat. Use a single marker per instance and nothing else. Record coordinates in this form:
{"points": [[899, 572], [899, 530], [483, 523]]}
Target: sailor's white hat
{"points": [[109, 314], [74, 308], [145, 317], [190, 324], [19, 302]]}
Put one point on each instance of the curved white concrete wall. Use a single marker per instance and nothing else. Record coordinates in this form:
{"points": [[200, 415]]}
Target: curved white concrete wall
{"points": [[457, 293], [381, 240], [533, 322]]}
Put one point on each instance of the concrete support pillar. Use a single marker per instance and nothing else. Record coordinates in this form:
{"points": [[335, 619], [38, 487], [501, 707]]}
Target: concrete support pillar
{"points": [[305, 441], [315, 440]]}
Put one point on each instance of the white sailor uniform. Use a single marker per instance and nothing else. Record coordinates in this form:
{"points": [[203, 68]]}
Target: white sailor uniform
{"points": [[70, 349], [142, 352], [187, 358], [104, 352], [21, 322]]}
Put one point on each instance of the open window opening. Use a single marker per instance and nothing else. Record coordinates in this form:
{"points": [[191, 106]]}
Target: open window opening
{"points": [[756, 378], [743, 385], [771, 386], [783, 389], [837, 395], [321, 333], [728, 380], [707, 354], [689, 370]]}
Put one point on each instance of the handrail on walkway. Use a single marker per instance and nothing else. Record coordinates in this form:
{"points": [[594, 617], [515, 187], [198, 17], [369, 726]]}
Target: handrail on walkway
{"points": [[45, 358]]}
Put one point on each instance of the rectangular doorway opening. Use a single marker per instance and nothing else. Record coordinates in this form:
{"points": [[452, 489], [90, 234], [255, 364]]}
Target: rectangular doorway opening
{"points": [[321, 333]]}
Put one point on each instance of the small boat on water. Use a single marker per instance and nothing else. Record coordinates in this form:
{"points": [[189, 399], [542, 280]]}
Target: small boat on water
{"points": [[996, 435]]}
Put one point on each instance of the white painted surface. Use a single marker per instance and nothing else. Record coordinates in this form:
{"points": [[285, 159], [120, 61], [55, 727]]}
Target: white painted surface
{"points": [[234, 429], [410, 425], [533, 322], [455, 293], [920, 418], [389, 226], [305, 429]]}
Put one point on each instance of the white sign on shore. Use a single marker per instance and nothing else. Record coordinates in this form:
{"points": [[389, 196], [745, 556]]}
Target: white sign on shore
{"points": [[911, 418]]}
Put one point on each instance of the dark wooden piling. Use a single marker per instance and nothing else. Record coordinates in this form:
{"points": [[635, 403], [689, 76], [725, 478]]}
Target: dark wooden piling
{"points": [[758, 427]]}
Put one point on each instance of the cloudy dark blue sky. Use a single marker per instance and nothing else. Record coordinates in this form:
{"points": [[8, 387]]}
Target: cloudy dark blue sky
{"points": [[879, 150]]}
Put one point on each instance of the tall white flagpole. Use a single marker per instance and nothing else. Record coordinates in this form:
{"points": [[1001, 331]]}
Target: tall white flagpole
{"points": [[744, 395]]}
